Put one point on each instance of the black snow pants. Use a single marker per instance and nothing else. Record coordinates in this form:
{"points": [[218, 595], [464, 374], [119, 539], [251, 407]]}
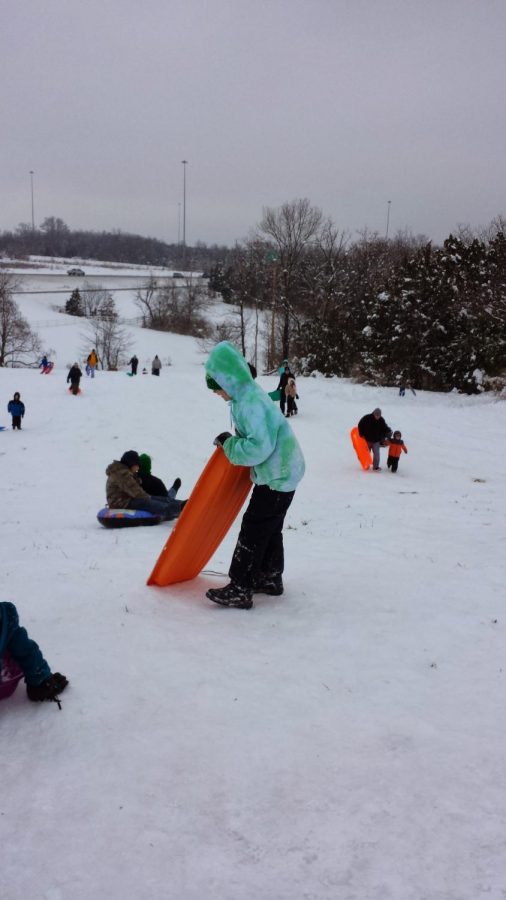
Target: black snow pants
{"points": [[393, 462], [259, 549]]}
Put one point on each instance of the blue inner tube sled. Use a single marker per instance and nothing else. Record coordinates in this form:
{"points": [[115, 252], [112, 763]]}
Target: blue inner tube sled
{"points": [[126, 518]]}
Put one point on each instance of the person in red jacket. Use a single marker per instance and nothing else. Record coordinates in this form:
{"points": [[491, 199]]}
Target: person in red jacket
{"points": [[395, 447]]}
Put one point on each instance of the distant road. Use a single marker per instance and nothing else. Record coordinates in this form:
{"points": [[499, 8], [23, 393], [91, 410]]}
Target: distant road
{"points": [[53, 282]]}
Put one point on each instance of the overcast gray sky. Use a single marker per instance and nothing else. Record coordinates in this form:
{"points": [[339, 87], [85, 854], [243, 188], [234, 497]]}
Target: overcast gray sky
{"points": [[350, 103]]}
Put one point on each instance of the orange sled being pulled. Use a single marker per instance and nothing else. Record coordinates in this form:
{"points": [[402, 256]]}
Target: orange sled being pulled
{"points": [[211, 509], [361, 449]]}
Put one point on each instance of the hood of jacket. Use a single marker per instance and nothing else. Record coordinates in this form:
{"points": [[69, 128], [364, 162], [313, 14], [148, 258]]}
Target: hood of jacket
{"points": [[116, 468], [228, 368]]}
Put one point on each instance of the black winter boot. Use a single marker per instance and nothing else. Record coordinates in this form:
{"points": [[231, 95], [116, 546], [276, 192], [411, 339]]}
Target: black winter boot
{"points": [[231, 595], [48, 689], [177, 484], [269, 584]]}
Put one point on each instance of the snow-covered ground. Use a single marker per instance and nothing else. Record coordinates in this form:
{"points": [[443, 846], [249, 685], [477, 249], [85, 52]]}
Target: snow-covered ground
{"points": [[345, 741]]}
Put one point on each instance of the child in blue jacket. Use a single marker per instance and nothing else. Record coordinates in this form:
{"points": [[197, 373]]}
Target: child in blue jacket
{"points": [[17, 410]]}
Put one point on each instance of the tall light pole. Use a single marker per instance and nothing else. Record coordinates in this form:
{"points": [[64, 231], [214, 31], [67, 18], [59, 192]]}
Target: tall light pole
{"points": [[179, 224], [388, 218], [32, 173], [184, 163]]}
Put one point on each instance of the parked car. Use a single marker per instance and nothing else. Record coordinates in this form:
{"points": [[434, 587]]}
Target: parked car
{"points": [[177, 275], [75, 271]]}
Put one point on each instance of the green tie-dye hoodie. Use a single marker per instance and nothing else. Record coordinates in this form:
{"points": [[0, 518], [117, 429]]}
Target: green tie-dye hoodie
{"points": [[264, 438]]}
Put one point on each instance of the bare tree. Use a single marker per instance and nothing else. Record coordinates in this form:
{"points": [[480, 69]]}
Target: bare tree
{"points": [[19, 345], [109, 339], [93, 300], [291, 228], [150, 303]]}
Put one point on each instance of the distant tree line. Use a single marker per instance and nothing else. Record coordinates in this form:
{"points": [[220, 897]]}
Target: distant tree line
{"points": [[55, 238]]}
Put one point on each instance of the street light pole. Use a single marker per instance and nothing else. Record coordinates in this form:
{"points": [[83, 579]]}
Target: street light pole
{"points": [[388, 218], [32, 173], [179, 224], [184, 163]]}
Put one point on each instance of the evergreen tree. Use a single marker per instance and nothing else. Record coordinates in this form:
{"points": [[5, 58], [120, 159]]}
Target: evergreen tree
{"points": [[73, 306]]}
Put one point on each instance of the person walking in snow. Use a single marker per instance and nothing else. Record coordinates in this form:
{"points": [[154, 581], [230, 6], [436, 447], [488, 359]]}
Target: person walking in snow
{"points": [[74, 376], [395, 447], [15, 644], [156, 366], [91, 363], [265, 442], [124, 490], [134, 362], [373, 428], [17, 410]]}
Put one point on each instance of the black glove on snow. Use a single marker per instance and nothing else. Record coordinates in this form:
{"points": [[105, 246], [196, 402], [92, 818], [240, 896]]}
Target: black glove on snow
{"points": [[221, 438]]}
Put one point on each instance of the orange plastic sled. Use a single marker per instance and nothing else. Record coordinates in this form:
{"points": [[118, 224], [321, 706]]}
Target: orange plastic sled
{"points": [[361, 448], [212, 507]]}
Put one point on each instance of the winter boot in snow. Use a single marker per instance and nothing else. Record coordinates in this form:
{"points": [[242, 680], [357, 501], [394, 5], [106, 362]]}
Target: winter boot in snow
{"points": [[48, 689], [269, 584], [231, 595]]}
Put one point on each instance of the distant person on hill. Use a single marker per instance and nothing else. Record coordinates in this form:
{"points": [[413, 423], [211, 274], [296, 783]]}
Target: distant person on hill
{"points": [[91, 363], [41, 683], [156, 366], [45, 365], [17, 410], [124, 489], [134, 362], [152, 485], [283, 381], [74, 376], [373, 428], [395, 447]]}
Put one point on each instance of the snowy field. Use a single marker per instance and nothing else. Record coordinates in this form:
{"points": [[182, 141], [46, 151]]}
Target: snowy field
{"points": [[345, 741]]}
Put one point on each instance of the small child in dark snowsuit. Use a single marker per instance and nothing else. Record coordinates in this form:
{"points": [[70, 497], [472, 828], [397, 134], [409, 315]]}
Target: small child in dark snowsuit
{"points": [[395, 447], [291, 396], [17, 410], [15, 644]]}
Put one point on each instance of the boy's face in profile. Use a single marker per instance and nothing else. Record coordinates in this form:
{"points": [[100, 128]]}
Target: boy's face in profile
{"points": [[222, 393]]}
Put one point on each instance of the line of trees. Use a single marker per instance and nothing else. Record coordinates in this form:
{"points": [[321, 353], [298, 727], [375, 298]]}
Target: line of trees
{"points": [[383, 312], [55, 238]]}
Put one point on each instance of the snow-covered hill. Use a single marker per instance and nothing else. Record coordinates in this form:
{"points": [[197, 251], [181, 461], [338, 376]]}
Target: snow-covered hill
{"points": [[345, 741]]}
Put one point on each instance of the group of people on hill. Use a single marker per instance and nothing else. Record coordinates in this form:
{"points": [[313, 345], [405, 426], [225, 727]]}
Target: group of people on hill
{"points": [[287, 391], [373, 428], [262, 440], [156, 366]]}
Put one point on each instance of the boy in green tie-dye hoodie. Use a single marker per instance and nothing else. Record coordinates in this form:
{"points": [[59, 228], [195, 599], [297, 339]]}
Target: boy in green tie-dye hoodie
{"points": [[265, 442]]}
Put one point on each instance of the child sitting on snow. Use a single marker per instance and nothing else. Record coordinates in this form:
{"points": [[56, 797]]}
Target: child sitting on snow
{"points": [[41, 683], [395, 447], [152, 485], [17, 410]]}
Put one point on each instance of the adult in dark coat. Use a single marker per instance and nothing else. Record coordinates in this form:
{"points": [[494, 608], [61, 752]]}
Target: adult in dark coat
{"points": [[74, 377], [134, 362], [375, 431]]}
